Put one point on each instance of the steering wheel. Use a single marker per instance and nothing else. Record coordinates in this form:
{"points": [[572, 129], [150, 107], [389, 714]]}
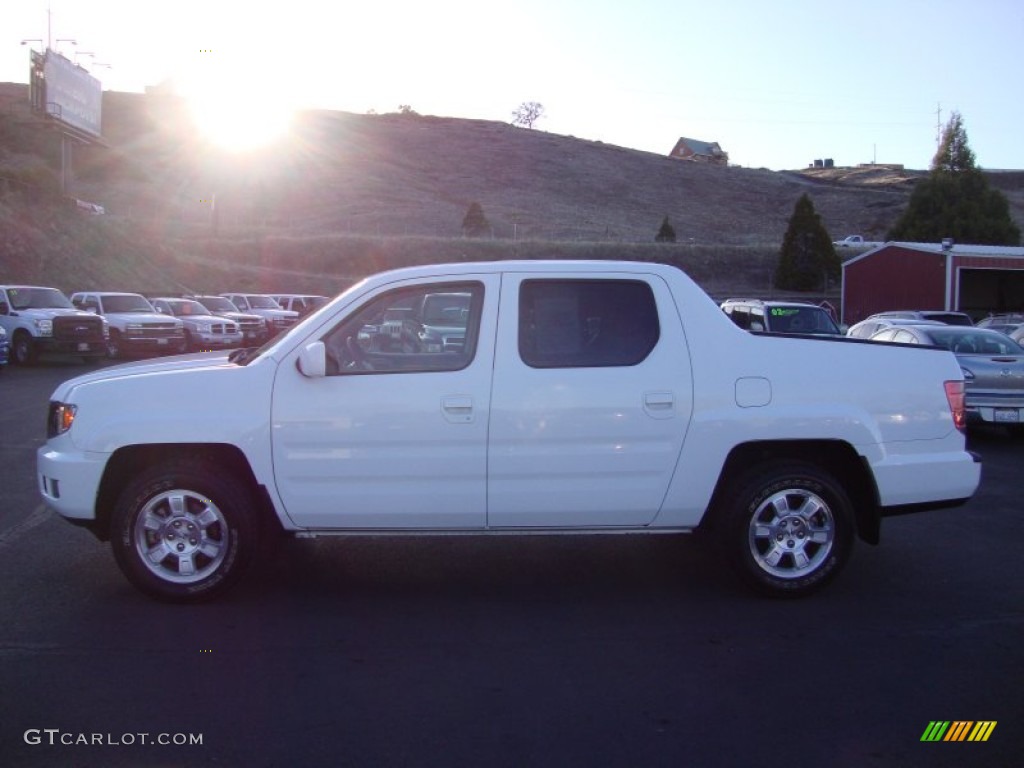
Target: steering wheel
{"points": [[356, 356]]}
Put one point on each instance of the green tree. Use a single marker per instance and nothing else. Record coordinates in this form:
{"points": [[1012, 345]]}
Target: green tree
{"points": [[666, 234], [807, 260], [955, 200], [953, 153], [475, 223]]}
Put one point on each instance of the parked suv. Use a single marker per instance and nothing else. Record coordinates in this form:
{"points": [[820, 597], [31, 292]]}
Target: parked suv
{"points": [[135, 327], [253, 327], [781, 317], [203, 331], [40, 320], [260, 304], [303, 303]]}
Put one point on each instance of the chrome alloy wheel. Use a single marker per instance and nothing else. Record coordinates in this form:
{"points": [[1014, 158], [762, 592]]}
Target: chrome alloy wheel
{"points": [[181, 536], [791, 533]]}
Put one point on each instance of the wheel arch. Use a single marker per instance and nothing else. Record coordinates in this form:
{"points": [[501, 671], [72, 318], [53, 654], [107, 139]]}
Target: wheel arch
{"points": [[128, 460], [834, 456]]}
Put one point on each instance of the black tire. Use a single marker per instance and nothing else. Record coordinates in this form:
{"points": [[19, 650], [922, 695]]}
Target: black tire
{"points": [[23, 351], [788, 528], [184, 531]]}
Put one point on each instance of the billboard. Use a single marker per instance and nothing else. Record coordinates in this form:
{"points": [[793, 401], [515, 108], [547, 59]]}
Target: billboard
{"points": [[72, 95]]}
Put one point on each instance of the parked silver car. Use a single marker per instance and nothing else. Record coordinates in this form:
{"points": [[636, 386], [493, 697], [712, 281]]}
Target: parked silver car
{"points": [[993, 366], [946, 316], [865, 329], [995, 321]]}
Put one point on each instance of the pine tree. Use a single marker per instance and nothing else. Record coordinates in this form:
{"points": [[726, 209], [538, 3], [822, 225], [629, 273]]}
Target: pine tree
{"points": [[666, 234], [953, 153], [474, 223], [955, 200], [807, 260]]}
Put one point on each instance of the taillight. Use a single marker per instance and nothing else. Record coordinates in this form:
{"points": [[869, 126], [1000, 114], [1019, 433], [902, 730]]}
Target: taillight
{"points": [[955, 397]]}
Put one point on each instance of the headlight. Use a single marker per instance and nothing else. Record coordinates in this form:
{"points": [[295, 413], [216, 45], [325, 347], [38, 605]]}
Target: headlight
{"points": [[60, 418], [968, 373], [45, 327], [204, 327]]}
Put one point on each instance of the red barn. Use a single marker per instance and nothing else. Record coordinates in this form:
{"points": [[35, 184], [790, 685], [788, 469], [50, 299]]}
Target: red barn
{"points": [[977, 279]]}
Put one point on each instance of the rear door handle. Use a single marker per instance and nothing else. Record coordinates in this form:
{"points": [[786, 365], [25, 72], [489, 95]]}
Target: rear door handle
{"points": [[660, 405]]}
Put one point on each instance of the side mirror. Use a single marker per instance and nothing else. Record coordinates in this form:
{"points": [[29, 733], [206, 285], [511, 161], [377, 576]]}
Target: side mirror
{"points": [[312, 362]]}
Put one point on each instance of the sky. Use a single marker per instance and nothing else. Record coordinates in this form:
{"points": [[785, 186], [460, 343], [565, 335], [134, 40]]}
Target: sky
{"points": [[777, 85]]}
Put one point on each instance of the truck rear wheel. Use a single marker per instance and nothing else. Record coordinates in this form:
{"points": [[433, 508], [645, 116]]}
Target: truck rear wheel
{"points": [[788, 529], [182, 532]]}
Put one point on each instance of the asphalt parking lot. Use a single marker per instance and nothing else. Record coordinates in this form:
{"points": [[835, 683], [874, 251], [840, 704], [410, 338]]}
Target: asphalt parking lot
{"points": [[603, 651]]}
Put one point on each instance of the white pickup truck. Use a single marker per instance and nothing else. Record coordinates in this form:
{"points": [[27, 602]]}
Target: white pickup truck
{"points": [[594, 397]]}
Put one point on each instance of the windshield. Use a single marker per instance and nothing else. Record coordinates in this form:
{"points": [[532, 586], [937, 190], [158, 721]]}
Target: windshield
{"points": [[217, 304], [965, 341], [185, 307], [126, 302], [800, 320], [262, 302], [38, 298]]}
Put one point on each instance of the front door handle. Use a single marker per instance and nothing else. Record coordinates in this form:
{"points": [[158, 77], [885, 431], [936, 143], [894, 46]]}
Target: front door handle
{"points": [[458, 409]]}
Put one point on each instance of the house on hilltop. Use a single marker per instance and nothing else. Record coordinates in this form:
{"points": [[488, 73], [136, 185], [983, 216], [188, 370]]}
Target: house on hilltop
{"points": [[699, 152]]}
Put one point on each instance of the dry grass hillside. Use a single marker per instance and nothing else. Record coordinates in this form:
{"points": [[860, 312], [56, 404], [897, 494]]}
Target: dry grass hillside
{"points": [[348, 194]]}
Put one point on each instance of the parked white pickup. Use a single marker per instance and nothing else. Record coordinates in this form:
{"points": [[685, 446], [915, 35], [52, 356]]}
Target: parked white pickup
{"points": [[586, 397]]}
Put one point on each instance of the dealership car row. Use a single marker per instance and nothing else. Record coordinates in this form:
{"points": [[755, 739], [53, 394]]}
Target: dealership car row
{"points": [[37, 320]]}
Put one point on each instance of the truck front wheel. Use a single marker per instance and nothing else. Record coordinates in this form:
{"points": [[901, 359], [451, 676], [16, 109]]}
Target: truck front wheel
{"points": [[23, 351], [789, 528], [182, 532]]}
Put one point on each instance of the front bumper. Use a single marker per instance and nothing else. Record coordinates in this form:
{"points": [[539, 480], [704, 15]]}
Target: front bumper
{"points": [[47, 345], [69, 480], [217, 340], [158, 344], [995, 414]]}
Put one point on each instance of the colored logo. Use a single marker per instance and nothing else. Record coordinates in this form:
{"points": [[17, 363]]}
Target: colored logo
{"points": [[958, 730]]}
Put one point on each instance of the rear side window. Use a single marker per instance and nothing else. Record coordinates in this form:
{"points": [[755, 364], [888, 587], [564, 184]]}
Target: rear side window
{"points": [[586, 323]]}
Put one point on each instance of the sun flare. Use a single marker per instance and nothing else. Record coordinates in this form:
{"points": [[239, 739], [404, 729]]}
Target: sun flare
{"points": [[238, 108]]}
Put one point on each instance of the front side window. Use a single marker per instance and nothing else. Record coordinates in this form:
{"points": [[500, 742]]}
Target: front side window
{"points": [[398, 332], [586, 323]]}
